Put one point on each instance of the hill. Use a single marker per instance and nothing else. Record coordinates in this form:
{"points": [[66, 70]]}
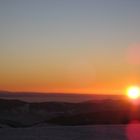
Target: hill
{"points": [[16, 113]]}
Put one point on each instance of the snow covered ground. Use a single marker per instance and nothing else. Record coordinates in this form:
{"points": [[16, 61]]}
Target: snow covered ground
{"points": [[96, 132]]}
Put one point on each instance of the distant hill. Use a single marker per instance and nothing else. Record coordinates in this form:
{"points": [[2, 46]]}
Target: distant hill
{"points": [[59, 97], [16, 113]]}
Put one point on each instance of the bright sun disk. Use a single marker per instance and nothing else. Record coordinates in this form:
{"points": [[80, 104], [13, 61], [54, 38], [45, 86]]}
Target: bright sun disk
{"points": [[133, 92]]}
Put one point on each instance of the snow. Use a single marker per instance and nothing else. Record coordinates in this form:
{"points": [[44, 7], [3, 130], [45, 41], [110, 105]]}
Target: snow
{"points": [[96, 132]]}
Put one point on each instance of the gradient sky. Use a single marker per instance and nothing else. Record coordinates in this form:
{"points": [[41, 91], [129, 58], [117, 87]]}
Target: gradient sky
{"points": [[85, 46]]}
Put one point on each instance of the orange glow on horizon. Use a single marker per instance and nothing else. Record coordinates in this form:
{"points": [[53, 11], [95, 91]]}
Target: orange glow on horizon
{"points": [[68, 87], [97, 89]]}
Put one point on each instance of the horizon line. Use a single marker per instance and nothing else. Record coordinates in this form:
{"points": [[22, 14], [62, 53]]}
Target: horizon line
{"points": [[72, 93]]}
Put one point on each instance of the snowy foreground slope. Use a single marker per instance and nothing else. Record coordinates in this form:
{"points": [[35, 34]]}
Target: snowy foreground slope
{"points": [[96, 132]]}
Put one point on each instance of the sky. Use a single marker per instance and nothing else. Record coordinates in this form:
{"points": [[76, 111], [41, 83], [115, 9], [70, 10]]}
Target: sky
{"points": [[75, 46]]}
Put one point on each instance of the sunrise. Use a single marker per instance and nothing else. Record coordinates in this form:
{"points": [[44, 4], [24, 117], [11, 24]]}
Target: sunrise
{"points": [[69, 63]]}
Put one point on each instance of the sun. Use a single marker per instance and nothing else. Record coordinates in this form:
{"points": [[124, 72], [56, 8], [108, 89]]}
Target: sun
{"points": [[133, 92]]}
